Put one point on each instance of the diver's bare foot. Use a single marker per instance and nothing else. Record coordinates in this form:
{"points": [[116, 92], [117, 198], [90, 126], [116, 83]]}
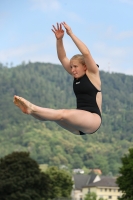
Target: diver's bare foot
{"points": [[25, 106]]}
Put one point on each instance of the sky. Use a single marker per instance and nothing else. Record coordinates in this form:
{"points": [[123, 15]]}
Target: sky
{"points": [[105, 26]]}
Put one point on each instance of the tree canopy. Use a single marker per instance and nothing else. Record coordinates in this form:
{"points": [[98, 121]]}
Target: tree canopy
{"points": [[61, 182], [125, 179], [21, 178], [93, 196]]}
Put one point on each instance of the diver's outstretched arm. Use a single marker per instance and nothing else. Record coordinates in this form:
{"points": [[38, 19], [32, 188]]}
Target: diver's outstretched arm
{"points": [[90, 63], [59, 34]]}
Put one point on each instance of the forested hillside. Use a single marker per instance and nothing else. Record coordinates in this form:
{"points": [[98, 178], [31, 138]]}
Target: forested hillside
{"points": [[49, 85]]}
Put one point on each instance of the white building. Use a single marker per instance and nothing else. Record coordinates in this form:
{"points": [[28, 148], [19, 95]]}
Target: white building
{"points": [[104, 187]]}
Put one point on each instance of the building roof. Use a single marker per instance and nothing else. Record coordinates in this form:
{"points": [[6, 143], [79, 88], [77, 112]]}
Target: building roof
{"points": [[82, 180], [96, 171], [105, 182]]}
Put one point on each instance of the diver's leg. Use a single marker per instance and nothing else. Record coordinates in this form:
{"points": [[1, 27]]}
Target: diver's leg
{"points": [[75, 119]]}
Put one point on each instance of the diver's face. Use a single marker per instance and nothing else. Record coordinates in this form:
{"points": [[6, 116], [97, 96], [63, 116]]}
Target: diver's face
{"points": [[78, 70]]}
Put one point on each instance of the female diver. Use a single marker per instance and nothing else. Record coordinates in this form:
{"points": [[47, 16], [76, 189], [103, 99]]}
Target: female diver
{"points": [[86, 119]]}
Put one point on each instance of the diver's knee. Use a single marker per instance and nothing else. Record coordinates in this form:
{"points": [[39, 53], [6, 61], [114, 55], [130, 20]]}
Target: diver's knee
{"points": [[64, 115]]}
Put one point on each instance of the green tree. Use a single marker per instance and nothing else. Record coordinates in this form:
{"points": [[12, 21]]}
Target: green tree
{"points": [[21, 178], [92, 196], [61, 182], [125, 180]]}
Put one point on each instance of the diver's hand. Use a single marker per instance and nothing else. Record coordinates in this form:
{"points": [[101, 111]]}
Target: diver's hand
{"points": [[59, 32], [68, 29]]}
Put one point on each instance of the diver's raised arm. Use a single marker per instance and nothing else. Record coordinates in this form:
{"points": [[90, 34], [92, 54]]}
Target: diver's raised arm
{"points": [[90, 63], [59, 34]]}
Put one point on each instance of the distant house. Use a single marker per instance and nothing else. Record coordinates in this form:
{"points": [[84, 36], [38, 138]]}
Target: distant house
{"points": [[78, 171], [80, 181], [104, 187]]}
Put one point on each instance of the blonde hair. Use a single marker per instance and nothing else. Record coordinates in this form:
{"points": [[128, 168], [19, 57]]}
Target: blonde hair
{"points": [[79, 57]]}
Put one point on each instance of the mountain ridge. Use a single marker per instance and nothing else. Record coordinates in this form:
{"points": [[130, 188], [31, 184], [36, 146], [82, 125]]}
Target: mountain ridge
{"points": [[49, 85]]}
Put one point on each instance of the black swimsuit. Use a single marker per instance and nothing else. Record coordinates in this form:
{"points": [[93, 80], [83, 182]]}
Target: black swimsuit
{"points": [[85, 93]]}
